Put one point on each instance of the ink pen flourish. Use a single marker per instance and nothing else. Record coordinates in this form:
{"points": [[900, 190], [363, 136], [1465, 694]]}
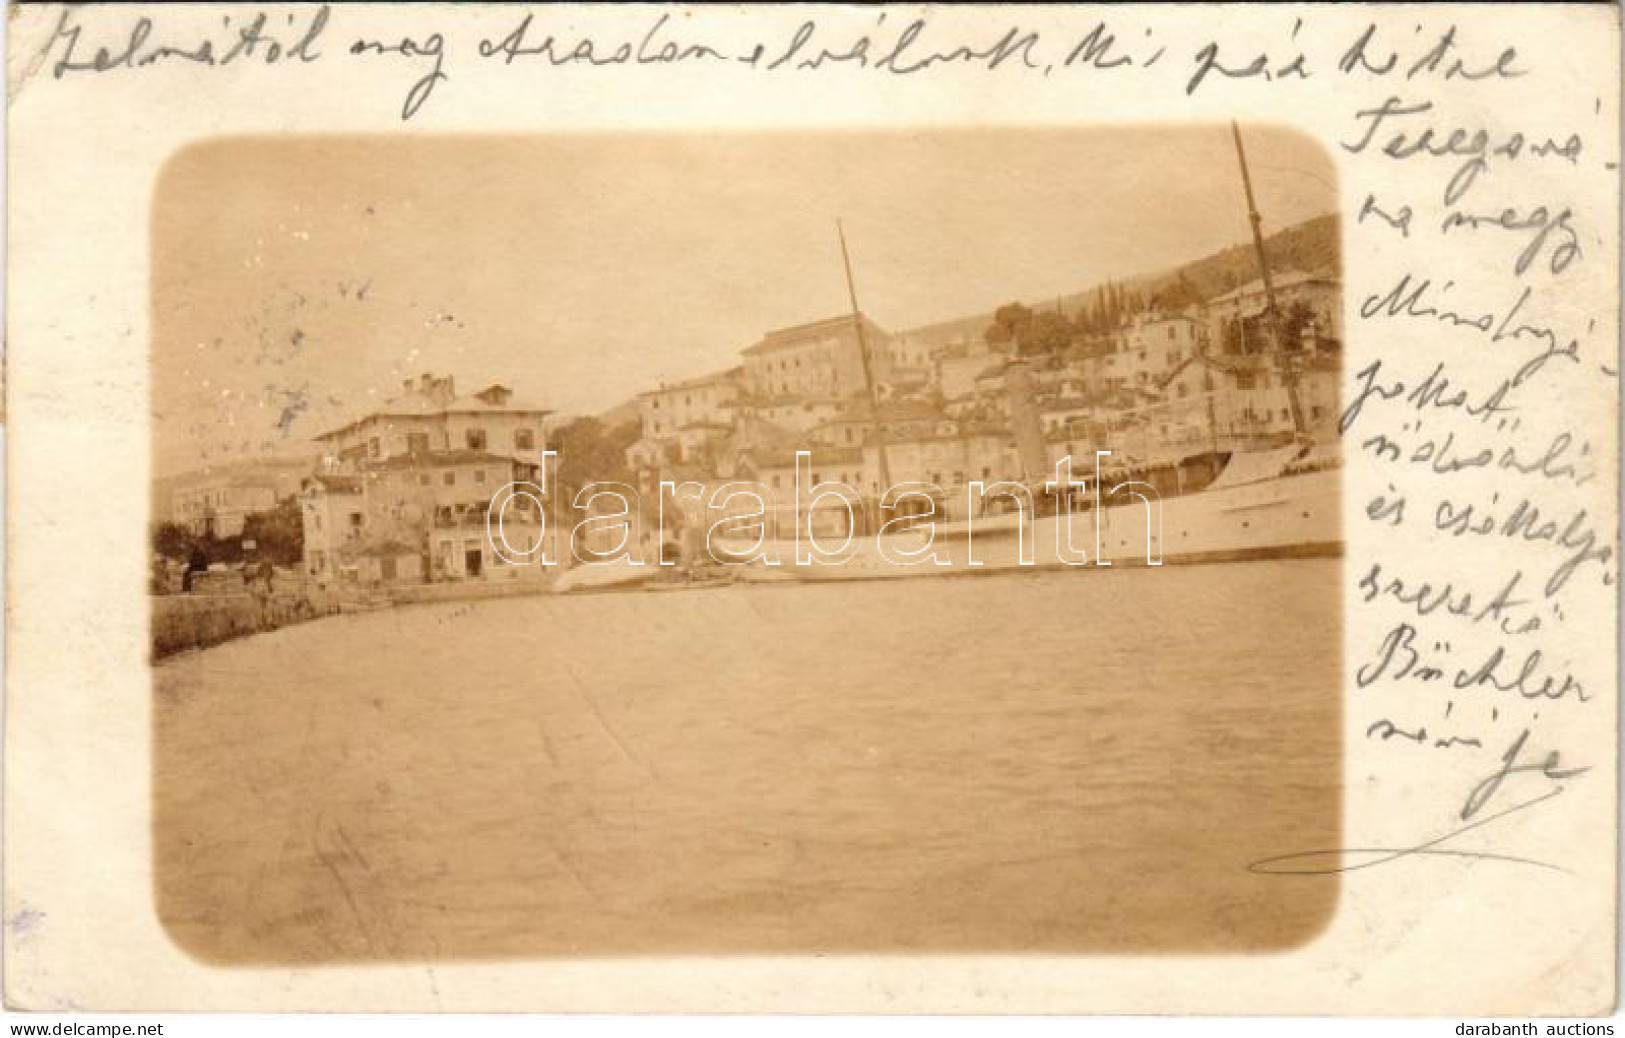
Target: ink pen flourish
{"points": [[1326, 862]]}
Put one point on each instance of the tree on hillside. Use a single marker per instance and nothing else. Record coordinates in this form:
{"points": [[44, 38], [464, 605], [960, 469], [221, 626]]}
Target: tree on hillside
{"points": [[1010, 322], [1047, 333], [1177, 295]]}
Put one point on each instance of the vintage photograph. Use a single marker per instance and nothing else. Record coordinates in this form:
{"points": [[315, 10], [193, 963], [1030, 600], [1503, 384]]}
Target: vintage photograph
{"points": [[920, 541]]}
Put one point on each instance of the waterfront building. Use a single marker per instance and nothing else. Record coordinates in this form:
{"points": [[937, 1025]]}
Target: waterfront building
{"points": [[217, 501], [428, 415], [419, 474], [384, 562], [332, 516]]}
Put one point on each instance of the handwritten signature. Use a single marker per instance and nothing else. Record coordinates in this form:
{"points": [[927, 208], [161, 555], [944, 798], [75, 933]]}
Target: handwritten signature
{"points": [[1353, 859]]}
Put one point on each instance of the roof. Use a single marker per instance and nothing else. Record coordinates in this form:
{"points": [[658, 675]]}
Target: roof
{"points": [[1278, 280], [203, 483], [1151, 320], [787, 338], [886, 411], [473, 403], [257, 472], [335, 484], [437, 459], [1229, 363], [420, 405], [820, 456], [806, 403], [1072, 403], [715, 378], [982, 428]]}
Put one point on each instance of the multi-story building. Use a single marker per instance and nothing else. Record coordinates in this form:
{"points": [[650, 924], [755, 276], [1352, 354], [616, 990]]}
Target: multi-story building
{"points": [[219, 507], [1235, 398], [216, 502], [428, 415], [1155, 344], [333, 517], [820, 359], [404, 491], [1142, 352], [957, 369], [1236, 319], [677, 422]]}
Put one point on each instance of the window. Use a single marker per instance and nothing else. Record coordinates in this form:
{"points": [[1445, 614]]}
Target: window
{"points": [[355, 520], [475, 439], [417, 443], [524, 439], [423, 479], [449, 478], [374, 448], [479, 475]]}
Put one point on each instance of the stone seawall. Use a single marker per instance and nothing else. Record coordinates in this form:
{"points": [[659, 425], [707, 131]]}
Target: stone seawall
{"points": [[455, 591], [181, 622]]}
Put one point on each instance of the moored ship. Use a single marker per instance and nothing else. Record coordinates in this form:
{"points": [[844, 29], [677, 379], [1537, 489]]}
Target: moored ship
{"points": [[1277, 503], [1260, 500]]}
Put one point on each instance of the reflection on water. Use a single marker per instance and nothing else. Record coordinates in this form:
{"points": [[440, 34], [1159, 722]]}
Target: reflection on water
{"points": [[1063, 761]]}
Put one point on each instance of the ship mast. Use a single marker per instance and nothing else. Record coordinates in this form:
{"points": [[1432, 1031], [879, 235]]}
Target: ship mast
{"points": [[875, 427], [1289, 373]]}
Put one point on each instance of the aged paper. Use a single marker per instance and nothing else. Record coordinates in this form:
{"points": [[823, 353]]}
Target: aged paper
{"points": [[900, 509]]}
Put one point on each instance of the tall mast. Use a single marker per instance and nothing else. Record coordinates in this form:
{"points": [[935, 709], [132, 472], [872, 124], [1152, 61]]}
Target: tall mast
{"points": [[868, 375], [1289, 374]]}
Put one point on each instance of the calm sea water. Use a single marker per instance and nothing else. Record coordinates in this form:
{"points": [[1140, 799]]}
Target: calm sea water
{"points": [[1068, 761]]}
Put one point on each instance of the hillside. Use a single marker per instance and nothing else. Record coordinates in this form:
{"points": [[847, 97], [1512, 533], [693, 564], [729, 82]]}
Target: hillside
{"points": [[1311, 246]]}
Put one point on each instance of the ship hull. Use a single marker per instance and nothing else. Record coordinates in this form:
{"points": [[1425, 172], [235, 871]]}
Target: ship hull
{"points": [[1296, 516]]}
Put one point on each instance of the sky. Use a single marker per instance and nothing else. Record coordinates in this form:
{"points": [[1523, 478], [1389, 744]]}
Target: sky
{"points": [[298, 281]]}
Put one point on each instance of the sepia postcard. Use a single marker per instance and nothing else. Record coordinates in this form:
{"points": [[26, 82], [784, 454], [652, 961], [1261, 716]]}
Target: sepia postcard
{"points": [[888, 509]]}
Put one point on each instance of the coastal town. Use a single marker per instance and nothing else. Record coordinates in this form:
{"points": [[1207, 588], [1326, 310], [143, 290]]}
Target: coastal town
{"points": [[394, 502], [636, 508]]}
